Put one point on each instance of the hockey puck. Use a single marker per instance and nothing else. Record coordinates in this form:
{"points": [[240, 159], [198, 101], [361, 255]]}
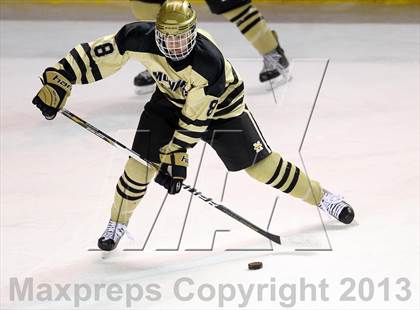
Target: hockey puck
{"points": [[255, 265]]}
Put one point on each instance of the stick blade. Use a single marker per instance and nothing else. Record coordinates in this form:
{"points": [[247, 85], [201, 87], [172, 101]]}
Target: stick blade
{"points": [[274, 238]]}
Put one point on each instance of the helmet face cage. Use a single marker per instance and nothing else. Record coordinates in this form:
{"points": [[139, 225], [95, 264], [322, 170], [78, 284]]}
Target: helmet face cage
{"points": [[176, 46]]}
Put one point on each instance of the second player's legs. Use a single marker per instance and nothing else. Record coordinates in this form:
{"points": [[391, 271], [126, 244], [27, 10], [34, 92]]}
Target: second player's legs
{"points": [[145, 10], [249, 21], [254, 28]]}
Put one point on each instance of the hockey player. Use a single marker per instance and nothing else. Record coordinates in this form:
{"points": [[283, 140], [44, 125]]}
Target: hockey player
{"points": [[199, 95], [248, 20]]}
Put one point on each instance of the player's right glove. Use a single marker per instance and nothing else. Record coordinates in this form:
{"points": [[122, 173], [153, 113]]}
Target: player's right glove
{"points": [[173, 170], [53, 95]]}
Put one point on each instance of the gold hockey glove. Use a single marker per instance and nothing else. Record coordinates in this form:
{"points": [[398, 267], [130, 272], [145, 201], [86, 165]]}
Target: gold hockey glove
{"points": [[53, 95], [173, 169]]}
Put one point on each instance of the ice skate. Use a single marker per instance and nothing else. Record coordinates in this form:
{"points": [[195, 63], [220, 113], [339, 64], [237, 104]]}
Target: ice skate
{"points": [[276, 66], [144, 83], [111, 236], [336, 207]]}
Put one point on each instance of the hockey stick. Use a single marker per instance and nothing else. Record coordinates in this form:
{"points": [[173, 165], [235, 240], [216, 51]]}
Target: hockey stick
{"points": [[192, 190]]}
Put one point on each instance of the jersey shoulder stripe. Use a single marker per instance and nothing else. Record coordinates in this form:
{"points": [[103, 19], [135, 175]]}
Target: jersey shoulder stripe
{"points": [[80, 64], [69, 72], [232, 95], [196, 122], [230, 108], [93, 66]]}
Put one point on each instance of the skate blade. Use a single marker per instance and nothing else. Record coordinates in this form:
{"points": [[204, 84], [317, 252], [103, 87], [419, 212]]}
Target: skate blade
{"points": [[143, 90], [277, 82]]}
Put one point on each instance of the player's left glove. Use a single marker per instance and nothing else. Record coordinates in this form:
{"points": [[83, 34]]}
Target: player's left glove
{"points": [[53, 95], [173, 169]]}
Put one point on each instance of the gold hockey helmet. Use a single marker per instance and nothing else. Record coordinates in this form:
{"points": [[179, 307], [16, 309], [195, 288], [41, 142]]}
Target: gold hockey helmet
{"points": [[176, 30]]}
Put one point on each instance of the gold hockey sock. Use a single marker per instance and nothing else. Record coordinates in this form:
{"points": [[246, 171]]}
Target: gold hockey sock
{"points": [[253, 26], [144, 11], [288, 178], [131, 188]]}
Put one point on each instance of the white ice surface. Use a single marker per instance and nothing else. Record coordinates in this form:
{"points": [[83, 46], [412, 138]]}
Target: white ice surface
{"points": [[57, 180]]}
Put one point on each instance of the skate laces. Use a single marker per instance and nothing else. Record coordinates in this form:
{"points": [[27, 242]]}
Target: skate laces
{"points": [[333, 204], [114, 231], [272, 61]]}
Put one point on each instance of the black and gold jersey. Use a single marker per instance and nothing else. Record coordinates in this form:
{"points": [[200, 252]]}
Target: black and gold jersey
{"points": [[204, 85]]}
